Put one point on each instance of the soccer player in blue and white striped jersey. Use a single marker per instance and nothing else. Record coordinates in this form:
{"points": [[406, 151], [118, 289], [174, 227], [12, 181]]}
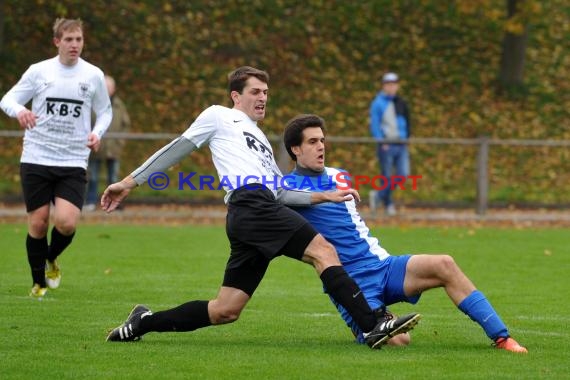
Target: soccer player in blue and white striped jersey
{"points": [[384, 279]]}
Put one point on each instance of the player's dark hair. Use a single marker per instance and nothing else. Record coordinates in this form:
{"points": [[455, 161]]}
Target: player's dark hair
{"points": [[293, 135], [238, 77]]}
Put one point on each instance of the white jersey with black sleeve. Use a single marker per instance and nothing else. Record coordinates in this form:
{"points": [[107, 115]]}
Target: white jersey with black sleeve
{"points": [[240, 150], [62, 99]]}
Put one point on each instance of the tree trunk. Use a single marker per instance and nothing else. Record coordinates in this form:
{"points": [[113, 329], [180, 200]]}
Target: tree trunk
{"points": [[1, 26], [513, 57]]}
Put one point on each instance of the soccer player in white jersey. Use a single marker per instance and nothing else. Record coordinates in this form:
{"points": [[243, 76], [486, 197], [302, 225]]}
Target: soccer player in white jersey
{"points": [[64, 91], [384, 279], [258, 224]]}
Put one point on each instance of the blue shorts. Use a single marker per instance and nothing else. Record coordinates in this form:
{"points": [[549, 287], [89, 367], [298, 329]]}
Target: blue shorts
{"points": [[382, 283]]}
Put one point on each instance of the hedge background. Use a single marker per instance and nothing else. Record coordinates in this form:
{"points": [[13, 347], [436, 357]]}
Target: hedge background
{"points": [[171, 58]]}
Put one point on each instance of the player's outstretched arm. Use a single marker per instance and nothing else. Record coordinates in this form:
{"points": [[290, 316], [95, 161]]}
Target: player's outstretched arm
{"points": [[303, 198], [337, 196], [115, 193]]}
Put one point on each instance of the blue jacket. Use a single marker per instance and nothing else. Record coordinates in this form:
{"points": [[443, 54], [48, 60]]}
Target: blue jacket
{"points": [[377, 109]]}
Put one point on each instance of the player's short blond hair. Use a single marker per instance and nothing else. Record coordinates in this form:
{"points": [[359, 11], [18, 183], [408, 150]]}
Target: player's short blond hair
{"points": [[62, 25]]}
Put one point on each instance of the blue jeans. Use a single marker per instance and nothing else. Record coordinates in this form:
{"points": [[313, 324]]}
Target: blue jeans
{"points": [[395, 157], [94, 167]]}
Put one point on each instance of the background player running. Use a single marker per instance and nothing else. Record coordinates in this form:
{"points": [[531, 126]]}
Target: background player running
{"points": [[64, 91]]}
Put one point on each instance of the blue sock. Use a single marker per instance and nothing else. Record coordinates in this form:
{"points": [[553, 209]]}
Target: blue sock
{"points": [[479, 309]]}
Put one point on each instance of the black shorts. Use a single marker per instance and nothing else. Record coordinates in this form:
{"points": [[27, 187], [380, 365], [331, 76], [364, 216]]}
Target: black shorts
{"points": [[42, 184], [259, 229]]}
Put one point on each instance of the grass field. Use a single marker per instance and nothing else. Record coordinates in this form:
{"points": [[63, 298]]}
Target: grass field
{"points": [[289, 330]]}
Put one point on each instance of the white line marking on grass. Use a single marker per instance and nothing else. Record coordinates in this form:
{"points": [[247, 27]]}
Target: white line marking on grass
{"points": [[451, 316], [542, 333], [319, 315], [558, 318]]}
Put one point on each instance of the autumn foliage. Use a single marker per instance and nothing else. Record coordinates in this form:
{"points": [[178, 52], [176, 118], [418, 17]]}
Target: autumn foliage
{"points": [[171, 58]]}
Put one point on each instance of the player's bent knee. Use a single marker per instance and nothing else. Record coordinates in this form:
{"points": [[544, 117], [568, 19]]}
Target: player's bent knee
{"points": [[66, 226], [321, 253], [66, 229], [448, 265], [220, 315], [38, 228], [222, 319]]}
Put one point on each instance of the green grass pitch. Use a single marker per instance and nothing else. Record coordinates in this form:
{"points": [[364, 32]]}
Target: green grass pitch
{"points": [[289, 330]]}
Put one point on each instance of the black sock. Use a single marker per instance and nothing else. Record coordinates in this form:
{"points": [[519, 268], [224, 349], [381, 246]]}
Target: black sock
{"points": [[37, 252], [58, 243], [346, 292], [186, 317]]}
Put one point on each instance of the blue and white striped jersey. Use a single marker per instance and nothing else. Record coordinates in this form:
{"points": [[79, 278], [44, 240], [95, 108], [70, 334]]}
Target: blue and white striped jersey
{"points": [[340, 223]]}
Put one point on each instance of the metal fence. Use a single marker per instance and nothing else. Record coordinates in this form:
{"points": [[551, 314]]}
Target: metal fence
{"points": [[483, 146], [482, 143]]}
